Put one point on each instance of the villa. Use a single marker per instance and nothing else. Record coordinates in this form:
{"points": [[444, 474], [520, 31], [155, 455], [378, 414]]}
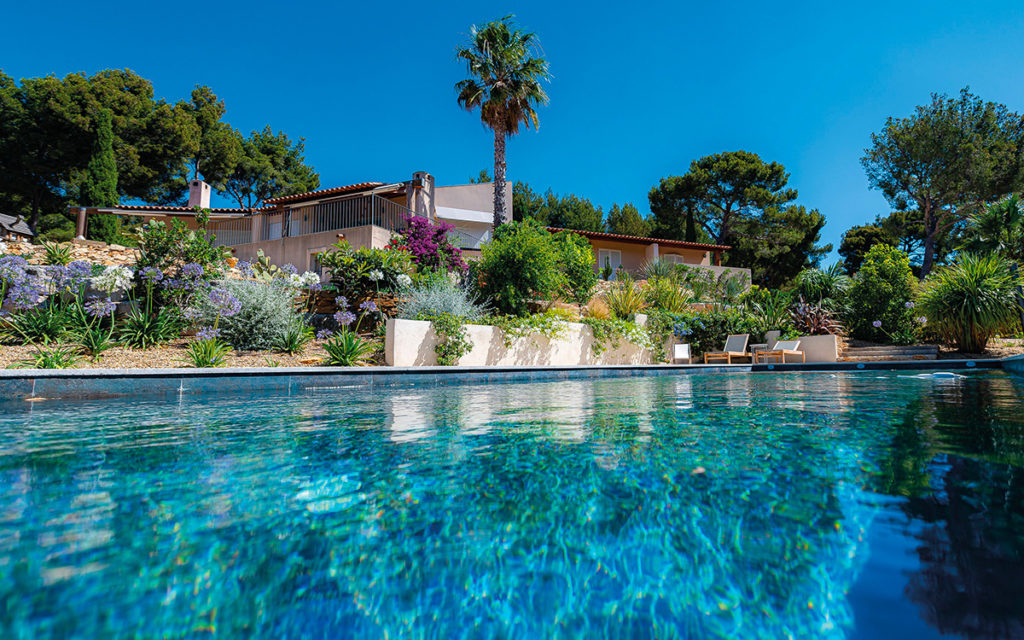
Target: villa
{"points": [[296, 228]]}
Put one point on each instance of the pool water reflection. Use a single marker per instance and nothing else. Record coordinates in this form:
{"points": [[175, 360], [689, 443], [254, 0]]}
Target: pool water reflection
{"points": [[743, 505]]}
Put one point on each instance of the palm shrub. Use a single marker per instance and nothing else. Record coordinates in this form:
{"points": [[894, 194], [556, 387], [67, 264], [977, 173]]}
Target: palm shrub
{"points": [[664, 294], [827, 287], [658, 268], [265, 313], [970, 301], [625, 298], [881, 305], [519, 265]]}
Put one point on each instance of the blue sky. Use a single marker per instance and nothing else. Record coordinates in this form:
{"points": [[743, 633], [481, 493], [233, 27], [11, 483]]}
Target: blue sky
{"points": [[639, 89]]}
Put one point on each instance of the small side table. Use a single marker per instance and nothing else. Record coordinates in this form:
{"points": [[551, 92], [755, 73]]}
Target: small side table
{"points": [[754, 348]]}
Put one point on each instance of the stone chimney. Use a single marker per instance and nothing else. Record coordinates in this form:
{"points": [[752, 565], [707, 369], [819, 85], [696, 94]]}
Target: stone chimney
{"points": [[421, 195], [198, 194]]}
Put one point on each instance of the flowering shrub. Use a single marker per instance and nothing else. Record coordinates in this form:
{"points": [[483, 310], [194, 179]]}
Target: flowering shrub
{"points": [[521, 264], [364, 273], [429, 245], [707, 330]]}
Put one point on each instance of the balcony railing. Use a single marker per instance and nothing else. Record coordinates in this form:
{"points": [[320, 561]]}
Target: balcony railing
{"points": [[343, 213]]}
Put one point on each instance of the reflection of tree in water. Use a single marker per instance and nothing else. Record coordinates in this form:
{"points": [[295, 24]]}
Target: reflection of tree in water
{"points": [[957, 457]]}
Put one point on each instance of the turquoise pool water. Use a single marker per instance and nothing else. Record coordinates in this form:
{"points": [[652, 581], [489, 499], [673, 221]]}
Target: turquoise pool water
{"points": [[742, 505]]}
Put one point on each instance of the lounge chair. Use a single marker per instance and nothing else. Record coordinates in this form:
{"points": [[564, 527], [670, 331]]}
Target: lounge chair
{"points": [[681, 353], [779, 352], [735, 347]]}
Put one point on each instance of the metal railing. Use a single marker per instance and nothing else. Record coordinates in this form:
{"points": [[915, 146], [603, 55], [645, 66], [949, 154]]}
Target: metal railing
{"points": [[305, 220]]}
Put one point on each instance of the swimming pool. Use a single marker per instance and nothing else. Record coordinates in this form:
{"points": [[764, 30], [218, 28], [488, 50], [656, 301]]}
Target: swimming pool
{"points": [[866, 504]]}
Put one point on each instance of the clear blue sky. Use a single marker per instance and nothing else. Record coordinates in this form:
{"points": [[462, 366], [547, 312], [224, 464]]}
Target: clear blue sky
{"points": [[639, 90]]}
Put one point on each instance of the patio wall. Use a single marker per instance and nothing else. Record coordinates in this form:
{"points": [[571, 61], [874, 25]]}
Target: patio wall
{"points": [[411, 343]]}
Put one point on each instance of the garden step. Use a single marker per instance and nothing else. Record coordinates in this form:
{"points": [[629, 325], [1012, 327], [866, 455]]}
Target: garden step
{"points": [[882, 350], [893, 356]]}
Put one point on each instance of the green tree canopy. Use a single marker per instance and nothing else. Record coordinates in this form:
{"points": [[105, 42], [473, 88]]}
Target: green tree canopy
{"points": [[719, 191], [505, 83], [858, 240], [627, 221], [947, 159], [778, 245], [215, 148], [271, 165]]}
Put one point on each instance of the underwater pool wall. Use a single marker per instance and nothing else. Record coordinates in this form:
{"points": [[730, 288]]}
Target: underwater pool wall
{"points": [[38, 385]]}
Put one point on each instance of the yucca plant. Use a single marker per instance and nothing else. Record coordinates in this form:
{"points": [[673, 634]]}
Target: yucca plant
{"points": [[658, 268], [56, 253], [625, 298], [662, 293], [207, 352], [971, 300], [771, 311]]}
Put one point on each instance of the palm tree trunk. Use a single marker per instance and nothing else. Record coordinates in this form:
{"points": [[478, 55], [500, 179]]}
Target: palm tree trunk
{"points": [[499, 177]]}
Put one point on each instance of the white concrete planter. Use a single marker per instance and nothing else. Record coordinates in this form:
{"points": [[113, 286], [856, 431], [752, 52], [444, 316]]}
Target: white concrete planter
{"points": [[410, 343], [816, 348]]}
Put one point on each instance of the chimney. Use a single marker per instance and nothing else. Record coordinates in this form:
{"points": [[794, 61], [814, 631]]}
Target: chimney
{"points": [[421, 196], [198, 194]]}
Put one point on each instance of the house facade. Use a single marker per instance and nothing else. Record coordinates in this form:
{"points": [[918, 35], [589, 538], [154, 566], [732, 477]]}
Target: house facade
{"points": [[295, 229]]}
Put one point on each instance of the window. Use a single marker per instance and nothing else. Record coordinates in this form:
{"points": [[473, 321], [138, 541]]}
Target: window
{"points": [[612, 257], [673, 258]]}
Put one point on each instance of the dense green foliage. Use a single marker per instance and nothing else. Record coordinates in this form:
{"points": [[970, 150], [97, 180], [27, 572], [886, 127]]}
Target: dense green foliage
{"points": [[505, 84], [553, 210], [520, 265], [51, 128], [347, 349], [883, 292], [452, 338], [270, 165], [971, 300], [626, 220], [576, 261], [360, 274], [946, 159]]}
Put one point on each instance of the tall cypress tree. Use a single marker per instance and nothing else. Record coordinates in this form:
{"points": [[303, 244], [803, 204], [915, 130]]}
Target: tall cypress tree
{"points": [[99, 188]]}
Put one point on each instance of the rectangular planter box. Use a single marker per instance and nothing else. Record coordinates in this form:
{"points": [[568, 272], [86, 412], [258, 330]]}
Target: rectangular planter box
{"points": [[411, 343]]}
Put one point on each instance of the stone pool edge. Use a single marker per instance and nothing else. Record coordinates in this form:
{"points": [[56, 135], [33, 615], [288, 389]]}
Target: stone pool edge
{"points": [[48, 384]]}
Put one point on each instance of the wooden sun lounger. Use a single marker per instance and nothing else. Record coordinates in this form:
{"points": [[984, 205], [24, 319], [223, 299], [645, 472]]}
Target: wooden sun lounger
{"points": [[735, 347], [779, 352]]}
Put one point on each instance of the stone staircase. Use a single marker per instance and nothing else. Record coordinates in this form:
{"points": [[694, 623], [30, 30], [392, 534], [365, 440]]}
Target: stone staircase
{"points": [[874, 353]]}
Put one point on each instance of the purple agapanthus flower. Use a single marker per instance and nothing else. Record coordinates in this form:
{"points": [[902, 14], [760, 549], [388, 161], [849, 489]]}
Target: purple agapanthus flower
{"points": [[323, 334], [368, 306], [245, 268], [227, 304], [289, 269], [207, 333], [922, 319], [908, 304], [25, 294], [877, 324], [344, 318], [12, 268], [191, 313], [151, 275], [342, 302], [100, 307], [191, 270], [71, 277]]}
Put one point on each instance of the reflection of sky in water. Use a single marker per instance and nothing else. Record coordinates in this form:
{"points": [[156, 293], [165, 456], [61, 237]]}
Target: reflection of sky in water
{"points": [[719, 505]]}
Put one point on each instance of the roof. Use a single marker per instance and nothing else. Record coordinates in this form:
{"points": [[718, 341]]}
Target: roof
{"points": [[171, 209], [599, 235], [15, 224], [311, 195]]}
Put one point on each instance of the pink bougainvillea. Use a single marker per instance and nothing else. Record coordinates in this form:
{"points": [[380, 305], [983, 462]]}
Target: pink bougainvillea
{"points": [[429, 245]]}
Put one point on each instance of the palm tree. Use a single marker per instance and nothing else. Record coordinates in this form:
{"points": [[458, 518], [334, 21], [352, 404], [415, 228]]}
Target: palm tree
{"points": [[505, 83], [1000, 228]]}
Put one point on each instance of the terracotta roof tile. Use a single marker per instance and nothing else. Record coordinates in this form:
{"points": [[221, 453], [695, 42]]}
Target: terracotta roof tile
{"points": [[310, 195], [600, 235]]}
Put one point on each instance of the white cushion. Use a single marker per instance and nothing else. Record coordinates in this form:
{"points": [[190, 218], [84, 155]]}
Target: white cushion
{"points": [[681, 352]]}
